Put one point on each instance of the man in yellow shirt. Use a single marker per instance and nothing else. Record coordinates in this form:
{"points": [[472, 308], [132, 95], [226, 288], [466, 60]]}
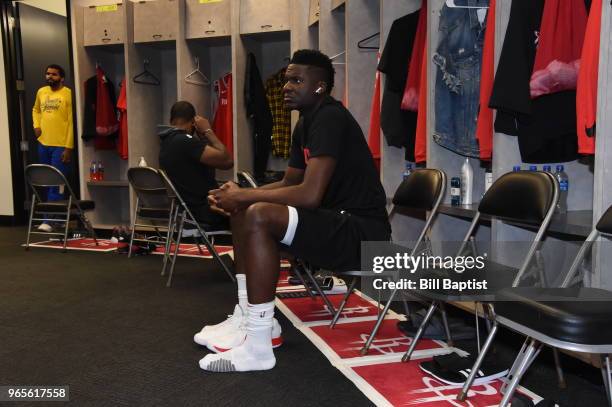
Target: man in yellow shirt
{"points": [[52, 117]]}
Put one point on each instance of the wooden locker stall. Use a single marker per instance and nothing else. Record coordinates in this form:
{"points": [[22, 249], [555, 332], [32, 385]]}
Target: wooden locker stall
{"points": [[107, 51], [204, 56]]}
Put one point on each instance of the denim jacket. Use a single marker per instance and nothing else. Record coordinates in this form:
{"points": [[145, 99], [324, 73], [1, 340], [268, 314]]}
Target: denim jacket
{"points": [[458, 59]]}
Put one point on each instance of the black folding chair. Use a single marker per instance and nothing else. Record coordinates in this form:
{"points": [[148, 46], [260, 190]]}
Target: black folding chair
{"points": [[181, 216], [422, 190], [572, 318], [152, 205], [42, 176], [523, 196]]}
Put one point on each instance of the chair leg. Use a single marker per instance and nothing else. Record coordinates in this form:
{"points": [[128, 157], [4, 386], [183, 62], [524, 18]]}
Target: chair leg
{"points": [[30, 222], [135, 215], [379, 321], [449, 338], [89, 227], [330, 306], [560, 376], [176, 249], [170, 240], [607, 377], [67, 224], [526, 359], [483, 353], [420, 331], [343, 303], [298, 274]]}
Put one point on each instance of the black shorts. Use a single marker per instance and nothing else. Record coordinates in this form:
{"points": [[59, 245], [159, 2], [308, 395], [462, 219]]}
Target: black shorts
{"points": [[332, 240]]}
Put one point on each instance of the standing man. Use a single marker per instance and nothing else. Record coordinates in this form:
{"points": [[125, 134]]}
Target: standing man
{"points": [[329, 201], [52, 117]]}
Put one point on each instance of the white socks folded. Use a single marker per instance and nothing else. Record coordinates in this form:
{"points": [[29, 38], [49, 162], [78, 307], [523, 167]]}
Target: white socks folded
{"points": [[256, 351]]}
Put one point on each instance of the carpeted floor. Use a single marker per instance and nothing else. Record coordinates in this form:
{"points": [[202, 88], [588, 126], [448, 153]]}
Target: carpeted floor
{"points": [[108, 327]]}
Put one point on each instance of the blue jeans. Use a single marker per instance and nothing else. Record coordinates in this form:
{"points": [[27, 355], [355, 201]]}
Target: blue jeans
{"points": [[457, 90], [53, 156]]}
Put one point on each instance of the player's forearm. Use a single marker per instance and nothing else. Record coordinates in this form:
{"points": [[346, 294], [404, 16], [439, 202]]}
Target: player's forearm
{"points": [[294, 195]]}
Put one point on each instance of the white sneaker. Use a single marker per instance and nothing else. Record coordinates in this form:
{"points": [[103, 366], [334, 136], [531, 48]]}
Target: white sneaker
{"points": [[232, 322], [235, 337], [45, 227]]}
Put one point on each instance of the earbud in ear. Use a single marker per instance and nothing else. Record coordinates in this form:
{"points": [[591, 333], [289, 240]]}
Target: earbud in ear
{"points": [[319, 90]]}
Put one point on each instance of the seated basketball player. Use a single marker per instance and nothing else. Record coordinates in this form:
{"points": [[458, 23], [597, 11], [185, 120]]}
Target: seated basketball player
{"points": [[189, 153], [329, 201]]}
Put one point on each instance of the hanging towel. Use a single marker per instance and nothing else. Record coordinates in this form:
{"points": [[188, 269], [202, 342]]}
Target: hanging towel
{"points": [[122, 141], [559, 46], [410, 100], [420, 147], [484, 127], [586, 93], [374, 132]]}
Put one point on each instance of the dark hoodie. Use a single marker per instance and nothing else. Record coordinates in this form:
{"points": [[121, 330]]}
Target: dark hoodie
{"points": [[179, 157]]}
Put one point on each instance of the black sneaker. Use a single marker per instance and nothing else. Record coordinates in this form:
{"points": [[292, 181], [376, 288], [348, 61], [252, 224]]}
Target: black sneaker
{"points": [[454, 370]]}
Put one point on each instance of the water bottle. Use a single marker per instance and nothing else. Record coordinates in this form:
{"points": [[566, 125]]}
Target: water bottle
{"points": [[547, 168], [93, 171], [100, 171], [533, 168], [455, 191], [142, 162], [467, 182], [516, 168], [488, 179], [563, 189]]}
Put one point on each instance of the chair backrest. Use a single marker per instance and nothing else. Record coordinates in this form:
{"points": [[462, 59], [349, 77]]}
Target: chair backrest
{"points": [[527, 196], [605, 222], [422, 189], [524, 196], [43, 175], [149, 186]]}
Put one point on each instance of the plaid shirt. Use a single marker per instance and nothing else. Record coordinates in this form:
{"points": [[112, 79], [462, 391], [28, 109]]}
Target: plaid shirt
{"points": [[281, 116]]}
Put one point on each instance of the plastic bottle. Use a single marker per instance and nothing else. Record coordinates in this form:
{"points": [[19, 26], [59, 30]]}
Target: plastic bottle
{"points": [[100, 171], [516, 168], [488, 179], [467, 182], [142, 162], [93, 171], [563, 189], [407, 170], [533, 168], [455, 191]]}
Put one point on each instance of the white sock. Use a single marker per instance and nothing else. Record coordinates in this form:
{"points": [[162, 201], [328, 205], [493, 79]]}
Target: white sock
{"points": [[256, 351], [243, 299]]}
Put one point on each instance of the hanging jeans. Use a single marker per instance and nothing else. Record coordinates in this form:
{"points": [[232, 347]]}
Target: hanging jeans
{"points": [[458, 60], [51, 155]]}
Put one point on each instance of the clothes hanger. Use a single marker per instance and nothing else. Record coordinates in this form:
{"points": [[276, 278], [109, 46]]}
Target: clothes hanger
{"points": [[339, 54], [146, 77], [451, 4], [360, 43], [203, 81]]}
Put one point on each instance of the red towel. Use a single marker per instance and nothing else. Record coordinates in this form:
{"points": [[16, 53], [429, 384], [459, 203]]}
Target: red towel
{"points": [[559, 47], [420, 144], [410, 99], [586, 93], [484, 127], [374, 133]]}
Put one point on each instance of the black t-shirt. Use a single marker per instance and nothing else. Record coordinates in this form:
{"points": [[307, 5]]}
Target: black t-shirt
{"points": [[179, 157], [332, 131]]}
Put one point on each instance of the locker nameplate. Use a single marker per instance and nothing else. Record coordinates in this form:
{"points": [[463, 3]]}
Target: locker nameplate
{"points": [[109, 7], [210, 1]]}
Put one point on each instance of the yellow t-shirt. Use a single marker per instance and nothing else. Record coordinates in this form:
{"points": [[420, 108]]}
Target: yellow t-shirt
{"points": [[52, 112]]}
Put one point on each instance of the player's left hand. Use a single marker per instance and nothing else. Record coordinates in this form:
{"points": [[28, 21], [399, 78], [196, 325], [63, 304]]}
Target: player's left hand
{"points": [[66, 155], [227, 198]]}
